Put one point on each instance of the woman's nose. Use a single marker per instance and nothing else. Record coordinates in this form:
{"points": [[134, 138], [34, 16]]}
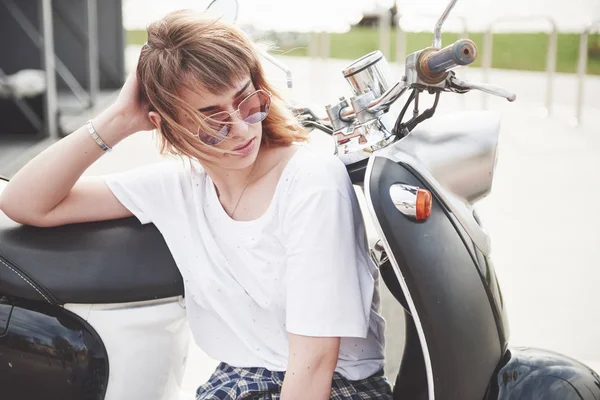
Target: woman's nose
{"points": [[238, 125]]}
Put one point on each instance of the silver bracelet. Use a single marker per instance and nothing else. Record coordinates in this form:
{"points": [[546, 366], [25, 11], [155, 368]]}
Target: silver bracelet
{"points": [[96, 137]]}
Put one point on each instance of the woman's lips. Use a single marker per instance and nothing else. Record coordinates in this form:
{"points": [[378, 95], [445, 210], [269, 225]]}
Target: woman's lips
{"points": [[246, 148]]}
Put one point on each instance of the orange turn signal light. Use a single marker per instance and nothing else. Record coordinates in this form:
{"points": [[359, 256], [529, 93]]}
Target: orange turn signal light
{"points": [[424, 201]]}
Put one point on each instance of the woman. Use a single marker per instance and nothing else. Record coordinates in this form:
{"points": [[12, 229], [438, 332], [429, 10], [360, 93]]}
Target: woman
{"points": [[267, 234]]}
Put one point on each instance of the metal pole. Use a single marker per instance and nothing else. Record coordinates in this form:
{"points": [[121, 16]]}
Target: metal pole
{"points": [[437, 32], [108, 69], [486, 62], [551, 66], [464, 35], [325, 45], [400, 42], [582, 71], [384, 32], [92, 51], [582, 68], [38, 40], [281, 66], [51, 100], [313, 45], [465, 32], [550, 61]]}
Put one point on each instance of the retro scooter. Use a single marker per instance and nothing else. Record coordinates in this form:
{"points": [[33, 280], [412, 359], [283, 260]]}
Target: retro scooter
{"points": [[76, 320]]}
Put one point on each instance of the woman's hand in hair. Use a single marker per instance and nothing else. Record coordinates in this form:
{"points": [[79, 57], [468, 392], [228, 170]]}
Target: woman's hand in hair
{"points": [[129, 107]]}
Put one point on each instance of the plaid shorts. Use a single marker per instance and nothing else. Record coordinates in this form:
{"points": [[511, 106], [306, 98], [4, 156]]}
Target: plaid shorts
{"points": [[231, 383]]}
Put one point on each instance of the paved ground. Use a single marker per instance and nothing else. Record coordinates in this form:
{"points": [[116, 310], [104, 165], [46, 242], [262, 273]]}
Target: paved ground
{"points": [[541, 215]]}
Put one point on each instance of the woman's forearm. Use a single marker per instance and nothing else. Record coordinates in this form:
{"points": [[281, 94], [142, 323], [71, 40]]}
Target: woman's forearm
{"points": [[47, 179], [311, 364], [307, 384]]}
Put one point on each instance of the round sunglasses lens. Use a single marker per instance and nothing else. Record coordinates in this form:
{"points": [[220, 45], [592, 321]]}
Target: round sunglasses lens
{"points": [[255, 108], [212, 140], [219, 123]]}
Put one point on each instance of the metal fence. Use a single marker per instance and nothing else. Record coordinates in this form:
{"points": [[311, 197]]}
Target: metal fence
{"points": [[487, 53], [550, 58], [582, 67], [64, 41]]}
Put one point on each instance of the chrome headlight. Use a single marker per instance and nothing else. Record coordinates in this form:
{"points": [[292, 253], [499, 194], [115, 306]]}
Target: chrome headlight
{"points": [[459, 150]]}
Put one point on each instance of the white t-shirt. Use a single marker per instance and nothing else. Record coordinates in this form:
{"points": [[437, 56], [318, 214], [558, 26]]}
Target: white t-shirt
{"points": [[302, 267]]}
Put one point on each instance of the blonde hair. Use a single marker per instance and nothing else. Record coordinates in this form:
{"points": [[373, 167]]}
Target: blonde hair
{"points": [[186, 50]]}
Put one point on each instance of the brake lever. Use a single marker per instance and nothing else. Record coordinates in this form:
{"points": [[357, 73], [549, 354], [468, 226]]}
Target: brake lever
{"points": [[464, 86], [306, 113]]}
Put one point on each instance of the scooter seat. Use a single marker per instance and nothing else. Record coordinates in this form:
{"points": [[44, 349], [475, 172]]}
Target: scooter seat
{"points": [[115, 261]]}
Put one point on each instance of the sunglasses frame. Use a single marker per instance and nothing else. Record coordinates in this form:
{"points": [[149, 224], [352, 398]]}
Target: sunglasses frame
{"points": [[239, 116]]}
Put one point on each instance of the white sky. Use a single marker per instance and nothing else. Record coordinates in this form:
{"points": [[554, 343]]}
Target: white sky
{"points": [[337, 15], [532, 15]]}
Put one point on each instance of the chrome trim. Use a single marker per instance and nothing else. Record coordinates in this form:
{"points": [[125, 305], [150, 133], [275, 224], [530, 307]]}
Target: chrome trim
{"points": [[389, 97], [462, 210], [347, 114], [280, 65], [236, 8], [459, 150], [369, 73], [380, 103], [437, 31], [400, 277], [334, 113], [378, 254], [363, 62], [378, 135], [404, 198], [360, 105], [413, 78], [136, 304], [484, 87]]}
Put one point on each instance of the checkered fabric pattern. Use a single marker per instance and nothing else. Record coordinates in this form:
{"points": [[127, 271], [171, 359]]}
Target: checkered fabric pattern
{"points": [[231, 383]]}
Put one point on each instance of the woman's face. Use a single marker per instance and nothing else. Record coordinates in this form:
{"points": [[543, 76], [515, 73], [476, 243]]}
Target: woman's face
{"points": [[243, 138]]}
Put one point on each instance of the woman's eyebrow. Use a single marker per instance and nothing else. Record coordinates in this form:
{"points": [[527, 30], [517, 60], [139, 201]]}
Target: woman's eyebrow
{"points": [[238, 94]]}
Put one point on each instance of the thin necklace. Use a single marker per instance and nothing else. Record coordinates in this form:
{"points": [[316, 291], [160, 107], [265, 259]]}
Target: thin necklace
{"points": [[244, 189]]}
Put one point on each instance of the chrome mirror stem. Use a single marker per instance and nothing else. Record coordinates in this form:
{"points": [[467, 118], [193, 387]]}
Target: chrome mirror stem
{"points": [[281, 66], [437, 32]]}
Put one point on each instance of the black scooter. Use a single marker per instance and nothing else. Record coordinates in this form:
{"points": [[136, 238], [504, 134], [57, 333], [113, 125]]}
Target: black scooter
{"points": [[71, 313]]}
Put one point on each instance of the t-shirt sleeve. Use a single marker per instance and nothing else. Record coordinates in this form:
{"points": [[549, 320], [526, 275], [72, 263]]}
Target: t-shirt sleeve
{"points": [[329, 285], [145, 190]]}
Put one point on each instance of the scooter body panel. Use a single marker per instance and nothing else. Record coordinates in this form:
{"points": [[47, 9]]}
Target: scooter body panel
{"points": [[47, 352], [439, 274], [147, 344]]}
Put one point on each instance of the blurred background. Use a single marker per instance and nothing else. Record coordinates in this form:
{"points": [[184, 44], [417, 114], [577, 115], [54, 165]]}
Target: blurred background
{"points": [[63, 61]]}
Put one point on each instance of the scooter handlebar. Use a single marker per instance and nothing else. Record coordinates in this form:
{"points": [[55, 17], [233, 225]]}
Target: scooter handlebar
{"points": [[462, 52]]}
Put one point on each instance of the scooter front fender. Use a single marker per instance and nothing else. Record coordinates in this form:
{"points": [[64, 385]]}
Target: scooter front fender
{"points": [[534, 374], [48, 352]]}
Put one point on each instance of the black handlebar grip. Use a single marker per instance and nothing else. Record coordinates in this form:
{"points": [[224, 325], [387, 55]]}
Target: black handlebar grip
{"points": [[462, 52]]}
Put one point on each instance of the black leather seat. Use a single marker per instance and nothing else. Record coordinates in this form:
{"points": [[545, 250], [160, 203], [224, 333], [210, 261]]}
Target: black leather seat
{"points": [[101, 262]]}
